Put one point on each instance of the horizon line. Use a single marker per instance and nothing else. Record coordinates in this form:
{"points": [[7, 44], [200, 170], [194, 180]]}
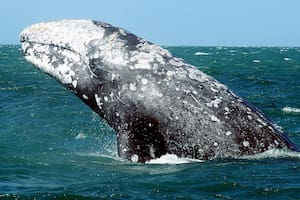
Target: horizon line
{"points": [[228, 46]]}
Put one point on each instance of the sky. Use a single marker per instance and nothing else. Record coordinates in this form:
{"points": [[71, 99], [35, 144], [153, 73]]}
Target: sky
{"points": [[169, 22]]}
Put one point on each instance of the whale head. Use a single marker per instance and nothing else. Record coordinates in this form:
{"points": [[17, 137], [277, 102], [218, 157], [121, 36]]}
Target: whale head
{"points": [[75, 51], [86, 55]]}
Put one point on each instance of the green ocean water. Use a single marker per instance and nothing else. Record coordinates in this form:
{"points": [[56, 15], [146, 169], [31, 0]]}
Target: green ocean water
{"points": [[52, 146]]}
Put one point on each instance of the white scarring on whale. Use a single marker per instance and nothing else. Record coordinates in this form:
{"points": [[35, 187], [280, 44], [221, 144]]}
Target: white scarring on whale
{"points": [[156, 103]]}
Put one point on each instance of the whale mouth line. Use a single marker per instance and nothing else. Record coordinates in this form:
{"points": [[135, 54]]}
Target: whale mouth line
{"points": [[54, 60], [61, 47], [27, 44]]}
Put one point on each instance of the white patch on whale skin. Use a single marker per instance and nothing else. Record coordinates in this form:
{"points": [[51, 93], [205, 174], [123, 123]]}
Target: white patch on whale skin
{"points": [[105, 99], [98, 101], [261, 122], [74, 83], [147, 54], [196, 74], [85, 97], [170, 73], [214, 103], [112, 51], [132, 87], [144, 81], [180, 73], [142, 65], [220, 86], [194, 92], [176, 63], [25, 46], [246, 143], [113, 77], [214, 89], [152, 152], [271, 128], [228, 133], [155, 93], [134, 158], [111, 95], [226, 109], [214, 118]]}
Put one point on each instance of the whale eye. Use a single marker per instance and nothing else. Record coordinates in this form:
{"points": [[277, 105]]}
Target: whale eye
{"points": [[96, 68]]}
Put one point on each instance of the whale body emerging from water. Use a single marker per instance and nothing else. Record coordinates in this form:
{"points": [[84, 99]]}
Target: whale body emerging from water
{"points": [[156, 103]]}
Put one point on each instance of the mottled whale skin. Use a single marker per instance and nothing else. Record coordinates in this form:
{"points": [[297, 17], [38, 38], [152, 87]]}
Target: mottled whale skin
{"points": [[156, 103]]}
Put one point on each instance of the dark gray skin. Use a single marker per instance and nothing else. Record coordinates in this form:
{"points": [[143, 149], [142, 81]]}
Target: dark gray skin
{"points": [[156, 103]]}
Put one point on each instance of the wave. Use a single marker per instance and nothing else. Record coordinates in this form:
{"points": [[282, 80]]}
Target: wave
{"points": [[287, 59], [111, 156], [172, 159], [80, 136], [290, 110], [199, 53], [272, 153]]}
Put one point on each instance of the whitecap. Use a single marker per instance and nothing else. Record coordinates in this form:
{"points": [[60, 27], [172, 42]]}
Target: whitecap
{"points": [[199, 53], [80, 136], [287, 59], [290, 110]]}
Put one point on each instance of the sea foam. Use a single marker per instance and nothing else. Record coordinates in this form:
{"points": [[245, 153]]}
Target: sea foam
{"points": [[172, 159], [274, 153]]}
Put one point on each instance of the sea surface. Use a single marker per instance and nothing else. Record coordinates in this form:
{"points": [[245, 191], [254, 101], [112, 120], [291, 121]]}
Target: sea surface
{"points": [[52, 146]]}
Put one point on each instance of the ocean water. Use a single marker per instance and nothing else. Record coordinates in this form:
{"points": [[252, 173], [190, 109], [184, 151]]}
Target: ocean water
{"points": [[52, 146]]}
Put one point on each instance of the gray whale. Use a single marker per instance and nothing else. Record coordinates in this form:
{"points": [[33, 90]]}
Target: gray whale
{"points": [[156, 103]]}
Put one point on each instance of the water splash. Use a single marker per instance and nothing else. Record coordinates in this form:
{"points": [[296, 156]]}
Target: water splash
{"points": [[173, 160], [274, 153]]}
